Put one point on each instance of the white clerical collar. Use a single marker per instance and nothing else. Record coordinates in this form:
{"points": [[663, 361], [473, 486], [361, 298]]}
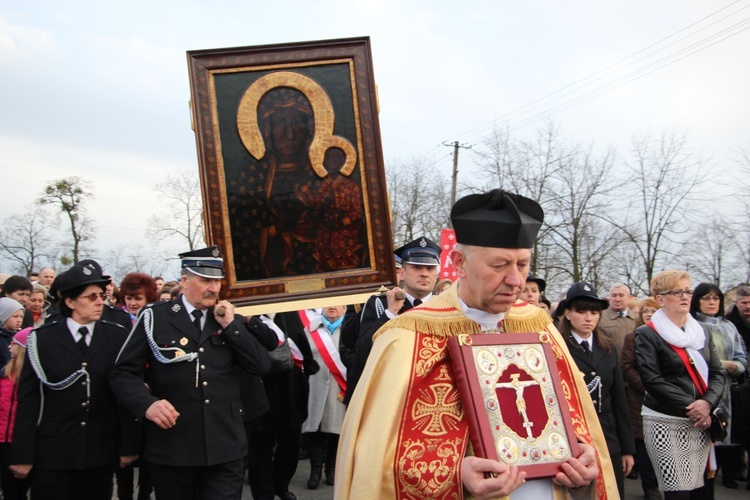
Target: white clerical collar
{"points": [[487, 321]]}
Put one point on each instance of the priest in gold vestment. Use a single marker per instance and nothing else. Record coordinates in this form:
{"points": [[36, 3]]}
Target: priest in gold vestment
{"points": [[405, 435]]}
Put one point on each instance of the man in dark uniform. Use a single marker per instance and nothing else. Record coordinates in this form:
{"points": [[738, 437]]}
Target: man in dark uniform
{"points": [[195, 348], [69, 428], [420, 260]]}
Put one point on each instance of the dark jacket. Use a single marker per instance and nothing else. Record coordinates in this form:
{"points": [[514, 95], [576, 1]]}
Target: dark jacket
{"points": [[252, 392], [633, 386], [736, 319], [205, 392], [612, 409], [669, 388], [6, 337], [73, 433], [288, 391], [371, 321]]}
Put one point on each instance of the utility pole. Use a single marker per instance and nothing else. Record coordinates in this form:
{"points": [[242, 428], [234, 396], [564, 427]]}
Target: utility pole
{"points": [[456, 146]]}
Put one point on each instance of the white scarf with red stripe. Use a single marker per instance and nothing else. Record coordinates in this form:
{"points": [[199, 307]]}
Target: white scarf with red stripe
{"points": [[324, 343]]}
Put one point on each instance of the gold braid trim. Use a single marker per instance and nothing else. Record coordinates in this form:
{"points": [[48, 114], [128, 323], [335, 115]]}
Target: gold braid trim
{"points": [[526, 318], [445, 328], [438, 319]]}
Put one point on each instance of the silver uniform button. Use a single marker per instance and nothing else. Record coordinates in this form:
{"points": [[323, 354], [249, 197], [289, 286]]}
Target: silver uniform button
{"points": [[200, 349], [207, 401], [205, 384]]}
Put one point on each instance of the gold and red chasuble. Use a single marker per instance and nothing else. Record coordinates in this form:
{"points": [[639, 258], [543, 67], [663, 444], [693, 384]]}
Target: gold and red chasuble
{"points": [[433, 433]]}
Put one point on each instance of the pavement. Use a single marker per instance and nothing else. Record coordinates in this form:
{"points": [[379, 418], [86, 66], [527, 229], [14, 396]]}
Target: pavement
{"points": [[632, 488]]}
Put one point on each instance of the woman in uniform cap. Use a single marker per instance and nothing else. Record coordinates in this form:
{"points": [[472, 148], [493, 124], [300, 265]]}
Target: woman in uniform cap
{"points": [[69, 432]]}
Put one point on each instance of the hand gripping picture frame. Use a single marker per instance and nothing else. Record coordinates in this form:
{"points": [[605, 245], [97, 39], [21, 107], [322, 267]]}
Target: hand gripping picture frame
{"points": [[292, 171], [514, 401]]}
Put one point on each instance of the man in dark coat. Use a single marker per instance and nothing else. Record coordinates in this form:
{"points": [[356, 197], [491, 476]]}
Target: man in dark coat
{"points": [[195, 348], [420, 260], [69, 427], [275, 435]]}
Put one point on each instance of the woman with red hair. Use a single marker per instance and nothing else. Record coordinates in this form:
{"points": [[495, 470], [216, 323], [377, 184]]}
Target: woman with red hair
{"points": [[137, 290]]}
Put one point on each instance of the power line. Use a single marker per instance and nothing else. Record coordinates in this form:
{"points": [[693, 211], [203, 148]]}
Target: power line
{"points": [[636, 75], [589, 94]]}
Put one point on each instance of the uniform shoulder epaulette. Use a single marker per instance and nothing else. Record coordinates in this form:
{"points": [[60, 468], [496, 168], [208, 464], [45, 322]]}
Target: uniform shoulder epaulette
{"points": [[45, 325], [112, 323]]}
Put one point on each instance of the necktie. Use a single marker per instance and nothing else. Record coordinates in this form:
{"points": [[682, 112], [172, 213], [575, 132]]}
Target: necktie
{"points": [[585, 346], [197, 315], [82, 341], [417, 302]]}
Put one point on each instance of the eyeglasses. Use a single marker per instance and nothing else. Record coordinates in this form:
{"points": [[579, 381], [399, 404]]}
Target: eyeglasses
{"points": [[678, 293], [710, 298], [93, 296]]}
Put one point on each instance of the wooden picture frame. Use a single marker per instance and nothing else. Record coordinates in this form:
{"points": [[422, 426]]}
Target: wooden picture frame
{"points": [[511, 392], [292, 171]]}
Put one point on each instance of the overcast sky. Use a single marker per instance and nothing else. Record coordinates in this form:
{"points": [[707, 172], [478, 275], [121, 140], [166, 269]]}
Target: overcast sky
{"points": [[100, 89]]}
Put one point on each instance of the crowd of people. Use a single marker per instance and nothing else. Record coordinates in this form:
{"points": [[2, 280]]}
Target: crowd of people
{"points": [[164, 377]]}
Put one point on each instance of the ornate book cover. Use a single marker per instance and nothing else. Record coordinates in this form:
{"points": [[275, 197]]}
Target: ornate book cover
{"points": [[513, 399]]}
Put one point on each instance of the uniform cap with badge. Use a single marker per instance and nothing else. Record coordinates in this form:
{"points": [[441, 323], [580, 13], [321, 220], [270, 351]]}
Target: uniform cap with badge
{"points": [[421, 252], [79, 275], [206, 262]]}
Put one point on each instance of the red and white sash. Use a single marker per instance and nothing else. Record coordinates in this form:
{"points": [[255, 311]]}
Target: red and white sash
{"points": [[327, 349]]}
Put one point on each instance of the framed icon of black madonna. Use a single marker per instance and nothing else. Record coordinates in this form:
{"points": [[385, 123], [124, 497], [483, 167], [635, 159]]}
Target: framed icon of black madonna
{"points": [[292, 172]]}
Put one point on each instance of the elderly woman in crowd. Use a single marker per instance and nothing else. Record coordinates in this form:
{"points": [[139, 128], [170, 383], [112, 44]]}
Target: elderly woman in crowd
{"points": [[635, 391], [707, 307], [597, 360], [325, 407], [137, 290], [684, 382], [35, 304]]}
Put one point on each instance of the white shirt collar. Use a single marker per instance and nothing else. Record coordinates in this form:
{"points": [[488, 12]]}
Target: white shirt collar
{"points": [[190, 308], [73, 327], [412, 299], [488, 321], [580, 339]]}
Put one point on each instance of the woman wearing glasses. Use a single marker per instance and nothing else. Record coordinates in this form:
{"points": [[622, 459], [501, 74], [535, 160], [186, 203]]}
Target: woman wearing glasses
{"points": [[684, 380], [68, 431], [708, 308]]}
